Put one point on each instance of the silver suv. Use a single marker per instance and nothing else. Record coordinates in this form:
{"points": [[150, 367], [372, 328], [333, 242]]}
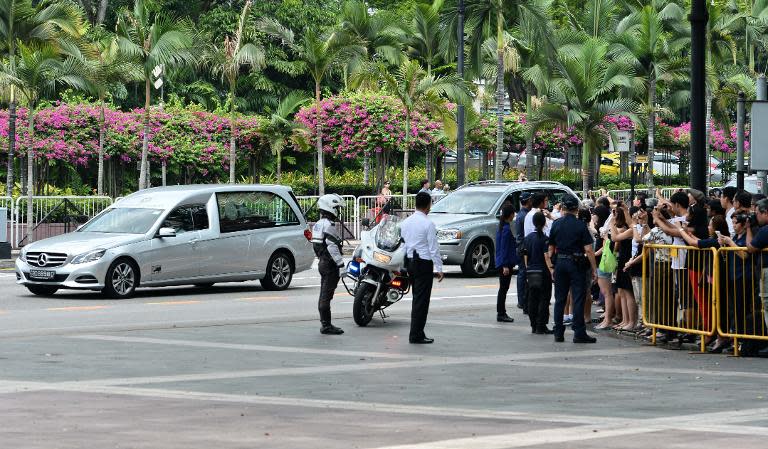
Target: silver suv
{"points": [[467, 220]]}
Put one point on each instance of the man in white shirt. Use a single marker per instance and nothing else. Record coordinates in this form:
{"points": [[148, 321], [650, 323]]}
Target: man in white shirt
{"points": [[423, 261], [538, 204], [438, 190], [726, 200]]}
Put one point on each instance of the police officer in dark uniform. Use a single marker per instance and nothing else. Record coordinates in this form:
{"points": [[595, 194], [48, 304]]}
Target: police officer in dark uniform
{"points": [[570, 246]]}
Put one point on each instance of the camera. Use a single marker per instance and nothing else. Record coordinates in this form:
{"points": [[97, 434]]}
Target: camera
{"points": [[650, 204], [750, 219]]}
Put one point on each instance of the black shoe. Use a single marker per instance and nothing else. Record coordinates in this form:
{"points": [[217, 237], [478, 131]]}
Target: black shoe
{"points": [[422, 341], [719, 348], [559, 338], [504, 318], [584, 339], [330, 329], [544, 330]]}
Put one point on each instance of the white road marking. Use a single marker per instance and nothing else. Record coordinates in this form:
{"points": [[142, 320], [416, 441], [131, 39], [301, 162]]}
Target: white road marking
{"points": [[478, 325], [246, 347], [645, 369]]}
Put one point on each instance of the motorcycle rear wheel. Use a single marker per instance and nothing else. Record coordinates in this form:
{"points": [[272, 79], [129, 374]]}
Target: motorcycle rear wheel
{"points": [[362, 308]]}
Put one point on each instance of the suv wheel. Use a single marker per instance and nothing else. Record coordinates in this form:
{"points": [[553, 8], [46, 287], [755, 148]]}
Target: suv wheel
{"points": [[122, 279], [479, 261]]}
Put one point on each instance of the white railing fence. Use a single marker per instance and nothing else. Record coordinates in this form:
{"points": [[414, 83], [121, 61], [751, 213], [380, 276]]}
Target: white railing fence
{"points": [[53, 215], [7, 203]]}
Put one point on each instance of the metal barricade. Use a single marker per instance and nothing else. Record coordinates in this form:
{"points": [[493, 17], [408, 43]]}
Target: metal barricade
{"points": [[743, 295], [7, 202], [308, 204], [679, 291], [370, 206], [54, 215], [624, 195]]}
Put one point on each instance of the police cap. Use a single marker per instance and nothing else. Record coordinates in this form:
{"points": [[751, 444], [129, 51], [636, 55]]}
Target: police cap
{"points": [[570, 202]]}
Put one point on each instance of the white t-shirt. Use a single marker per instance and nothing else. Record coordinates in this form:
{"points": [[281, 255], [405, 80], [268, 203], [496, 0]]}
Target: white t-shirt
{"points": [[529, 228], [678, 262], [729, 221], [635, 243]]}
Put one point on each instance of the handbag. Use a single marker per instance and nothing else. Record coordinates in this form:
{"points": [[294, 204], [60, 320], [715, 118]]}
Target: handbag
{"points": [[608, 262]]}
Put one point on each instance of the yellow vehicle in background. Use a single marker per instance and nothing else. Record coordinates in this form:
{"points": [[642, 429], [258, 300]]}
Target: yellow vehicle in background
{"points": [[609, 164]]}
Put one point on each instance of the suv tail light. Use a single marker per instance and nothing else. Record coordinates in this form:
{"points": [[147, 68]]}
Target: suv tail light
{"points": [[308, 234]]}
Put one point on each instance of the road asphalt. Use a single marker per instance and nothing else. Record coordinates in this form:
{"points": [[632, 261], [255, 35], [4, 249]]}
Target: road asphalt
{"points": [[234, 366]]}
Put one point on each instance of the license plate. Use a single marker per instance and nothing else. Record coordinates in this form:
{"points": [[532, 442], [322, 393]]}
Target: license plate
{"points": [[43, 275]]}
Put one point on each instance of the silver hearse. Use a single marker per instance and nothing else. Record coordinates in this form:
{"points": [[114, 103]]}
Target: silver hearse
{"points": [[199, 234]]}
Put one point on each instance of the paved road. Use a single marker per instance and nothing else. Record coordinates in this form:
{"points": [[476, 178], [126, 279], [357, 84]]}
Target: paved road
{"points": [[237, 367]]}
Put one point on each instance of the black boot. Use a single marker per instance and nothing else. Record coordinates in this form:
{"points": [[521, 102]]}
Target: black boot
{"points": [[543, 330], [330, 329]]}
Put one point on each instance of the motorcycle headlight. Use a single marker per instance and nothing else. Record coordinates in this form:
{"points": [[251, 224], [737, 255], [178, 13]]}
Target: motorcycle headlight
{"points": [[381, 257], [444, 235], [90, 256]]}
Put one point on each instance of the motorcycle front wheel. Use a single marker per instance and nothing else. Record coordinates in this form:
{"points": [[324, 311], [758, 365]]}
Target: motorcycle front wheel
{"points": [[362, 308]]}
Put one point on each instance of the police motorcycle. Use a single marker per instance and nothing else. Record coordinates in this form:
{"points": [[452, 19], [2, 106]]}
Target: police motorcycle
{"points": [[377, 271]]}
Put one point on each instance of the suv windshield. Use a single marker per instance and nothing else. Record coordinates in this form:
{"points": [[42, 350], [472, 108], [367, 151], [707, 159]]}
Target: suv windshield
{"points": [[123, 221], [466, 201]]}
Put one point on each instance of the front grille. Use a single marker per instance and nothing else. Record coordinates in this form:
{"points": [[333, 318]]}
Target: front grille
{"points": [[46, 260]]}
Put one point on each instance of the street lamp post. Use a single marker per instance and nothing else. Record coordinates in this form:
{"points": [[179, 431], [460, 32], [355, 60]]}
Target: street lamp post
{"points": [[698, 19], [460, 110]]}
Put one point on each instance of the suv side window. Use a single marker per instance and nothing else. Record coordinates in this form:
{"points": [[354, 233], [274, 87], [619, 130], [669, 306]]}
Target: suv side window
{"points": [[555, 196], [190, 217], [242, 211]]}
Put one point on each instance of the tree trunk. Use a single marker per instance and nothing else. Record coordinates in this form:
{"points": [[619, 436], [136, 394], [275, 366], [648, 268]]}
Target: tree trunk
{"points": [[319, 142], [102, 125], [651, 129], [232, 136], [145, 141], [528, 140], [406, 153], [585, 157], [428, 164], [279, 165], [11, 144], [30, 172], [497, 168], [102, 12]]}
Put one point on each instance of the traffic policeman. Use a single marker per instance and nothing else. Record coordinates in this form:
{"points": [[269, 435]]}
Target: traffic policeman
{"points": [[326, 243], [570, 246], [423, 262]]}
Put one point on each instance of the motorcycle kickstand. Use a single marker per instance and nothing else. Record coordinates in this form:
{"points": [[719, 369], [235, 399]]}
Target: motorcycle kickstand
{"points": [[383, 316]]}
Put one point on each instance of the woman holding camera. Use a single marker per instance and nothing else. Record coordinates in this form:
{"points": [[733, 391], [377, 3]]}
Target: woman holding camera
{"points": [[622, 235]]}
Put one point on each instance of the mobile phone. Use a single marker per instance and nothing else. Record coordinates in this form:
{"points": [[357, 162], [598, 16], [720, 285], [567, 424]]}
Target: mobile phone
{"points": [[719, 235]]}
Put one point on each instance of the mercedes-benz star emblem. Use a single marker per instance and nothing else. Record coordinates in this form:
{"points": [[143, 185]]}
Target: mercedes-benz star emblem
{"points": [[42, 260]]}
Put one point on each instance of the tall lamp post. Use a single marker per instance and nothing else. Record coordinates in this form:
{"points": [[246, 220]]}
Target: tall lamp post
{"points": [[460, 177], [698, 19]]}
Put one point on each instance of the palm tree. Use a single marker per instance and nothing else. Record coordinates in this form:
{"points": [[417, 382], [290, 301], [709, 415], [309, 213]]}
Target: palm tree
{"points": [[155, 40], [38, 72], [416, 90], [43, 22], [583, 93], [490, 19], [425, 34], [379, 32], [319, 53], [108, 70], [281, 129], [643, 41], [226, 60]]}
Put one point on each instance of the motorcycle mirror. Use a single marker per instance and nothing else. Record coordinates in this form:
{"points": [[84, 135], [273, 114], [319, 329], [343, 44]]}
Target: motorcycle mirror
{"points": [[366, 222]]}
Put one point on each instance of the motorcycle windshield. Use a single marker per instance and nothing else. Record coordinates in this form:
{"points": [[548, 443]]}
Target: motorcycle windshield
{"points": [[388, 233]]}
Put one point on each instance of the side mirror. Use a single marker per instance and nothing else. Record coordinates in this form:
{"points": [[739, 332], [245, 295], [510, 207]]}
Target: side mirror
{"points": [[365, 222], [166, 232]]}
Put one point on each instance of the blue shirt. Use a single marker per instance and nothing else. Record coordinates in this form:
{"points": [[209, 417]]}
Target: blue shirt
{"points": [[737, 267], [570, 235], [506, 248], [535, 245]]}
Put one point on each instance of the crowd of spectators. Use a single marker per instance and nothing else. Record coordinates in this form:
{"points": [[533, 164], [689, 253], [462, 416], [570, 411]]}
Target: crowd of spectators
{"points": [[679, 278]]}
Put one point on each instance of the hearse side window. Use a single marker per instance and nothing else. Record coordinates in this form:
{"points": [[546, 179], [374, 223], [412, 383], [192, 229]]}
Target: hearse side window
{"points": [[190, 217], [242, 211]]}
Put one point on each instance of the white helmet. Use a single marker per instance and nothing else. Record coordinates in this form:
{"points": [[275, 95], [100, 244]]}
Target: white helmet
{"points": [[330, 203]]}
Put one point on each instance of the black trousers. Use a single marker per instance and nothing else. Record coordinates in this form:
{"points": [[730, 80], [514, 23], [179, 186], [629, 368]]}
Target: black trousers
{"points": [[501, 298], [422, 276], [539, 292], [329, 280]]}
